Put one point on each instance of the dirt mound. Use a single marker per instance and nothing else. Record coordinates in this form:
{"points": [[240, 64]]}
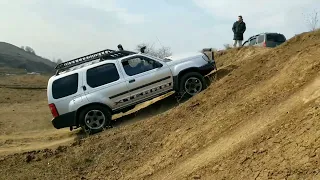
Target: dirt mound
{"points": [[261, 120], [237, 55]]}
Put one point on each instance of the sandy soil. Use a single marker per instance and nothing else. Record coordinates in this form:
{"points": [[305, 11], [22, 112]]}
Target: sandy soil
{"points": [[259, 120], [25, 116]]}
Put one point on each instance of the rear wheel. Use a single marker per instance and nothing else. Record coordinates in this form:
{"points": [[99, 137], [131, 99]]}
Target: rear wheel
{"points": [[94, 119], [191, 84]]}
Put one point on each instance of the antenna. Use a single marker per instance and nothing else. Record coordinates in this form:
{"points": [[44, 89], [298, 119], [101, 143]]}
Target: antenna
{"points": [[159, 42]]}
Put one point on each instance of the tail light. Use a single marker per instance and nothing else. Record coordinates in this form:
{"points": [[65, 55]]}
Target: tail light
{"points": [[53, 110], [264, 44]]}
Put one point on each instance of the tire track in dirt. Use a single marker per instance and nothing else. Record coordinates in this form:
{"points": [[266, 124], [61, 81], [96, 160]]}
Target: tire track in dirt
{"points": [[37, 140], [241, 135], [34, 146]]}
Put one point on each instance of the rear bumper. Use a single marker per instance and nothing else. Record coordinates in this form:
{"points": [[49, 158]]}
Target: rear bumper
{"points": [[207, 68], [64, 120]]}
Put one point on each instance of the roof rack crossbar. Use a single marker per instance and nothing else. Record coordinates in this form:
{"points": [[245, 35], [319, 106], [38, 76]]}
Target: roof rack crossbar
{"points": [[84, 59], [117, 54], [102, 55]]}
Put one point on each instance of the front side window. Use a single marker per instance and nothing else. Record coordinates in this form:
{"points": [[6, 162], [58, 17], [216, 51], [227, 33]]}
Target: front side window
{"points": [[139, 65], [102, 75]]}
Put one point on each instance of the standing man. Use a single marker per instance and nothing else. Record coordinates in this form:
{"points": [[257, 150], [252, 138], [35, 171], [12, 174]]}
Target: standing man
{"points": [[238, 28]]}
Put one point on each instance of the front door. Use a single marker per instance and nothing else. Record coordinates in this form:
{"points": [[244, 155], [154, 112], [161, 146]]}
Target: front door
{"points": [[146, 78]]}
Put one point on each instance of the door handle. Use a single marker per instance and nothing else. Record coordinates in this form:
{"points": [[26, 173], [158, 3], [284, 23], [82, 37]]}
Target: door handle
{"points": [[132, 80]]}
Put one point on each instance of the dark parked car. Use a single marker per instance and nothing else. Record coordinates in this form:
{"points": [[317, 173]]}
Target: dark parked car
{"points": [[265, 40]]}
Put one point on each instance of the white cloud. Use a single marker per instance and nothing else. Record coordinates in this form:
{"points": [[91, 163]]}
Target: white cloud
{"points": [[57, 34], [111, 6], [253, 8], [285, 16], [70, 28]]}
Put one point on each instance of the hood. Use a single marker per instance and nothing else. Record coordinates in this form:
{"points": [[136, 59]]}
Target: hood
{"points": [[180, 58], [184, 56]]}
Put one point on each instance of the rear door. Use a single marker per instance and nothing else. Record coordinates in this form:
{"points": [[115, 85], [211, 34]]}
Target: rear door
{"points": [[105, 84], [275, 39], [146, 78], [67, 92]]}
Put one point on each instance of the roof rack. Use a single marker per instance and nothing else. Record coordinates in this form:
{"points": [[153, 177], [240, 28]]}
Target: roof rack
{"points": [[106, 54]]}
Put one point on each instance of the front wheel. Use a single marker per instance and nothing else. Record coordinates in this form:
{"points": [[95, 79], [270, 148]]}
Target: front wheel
{"points": [[191, 84], [94, 119]]}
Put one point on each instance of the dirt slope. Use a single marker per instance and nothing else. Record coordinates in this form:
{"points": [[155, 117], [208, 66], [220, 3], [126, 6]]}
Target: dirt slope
{"points": [[25, 117], [259, 121]]}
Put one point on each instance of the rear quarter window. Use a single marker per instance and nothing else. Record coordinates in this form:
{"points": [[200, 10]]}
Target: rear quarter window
{"points": [[276, 37], [65, 86]]}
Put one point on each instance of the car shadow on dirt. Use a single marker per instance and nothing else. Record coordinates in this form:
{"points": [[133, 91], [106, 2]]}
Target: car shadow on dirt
{"points": [[154, 109]]}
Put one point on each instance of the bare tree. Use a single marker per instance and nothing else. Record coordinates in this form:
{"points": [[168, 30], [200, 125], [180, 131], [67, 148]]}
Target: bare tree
{"points": [[150, 49], [59, 61], [29, 50], [164, 52], [312, 20]]}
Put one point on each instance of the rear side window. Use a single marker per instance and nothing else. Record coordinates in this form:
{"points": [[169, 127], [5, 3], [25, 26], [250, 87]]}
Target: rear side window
{"points": [[102, 75], [260, 38], [65, 86], [276, 37]]}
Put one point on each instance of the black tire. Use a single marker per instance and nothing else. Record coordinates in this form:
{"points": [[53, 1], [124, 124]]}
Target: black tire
{"points": [[94, 119], [186, 77]]}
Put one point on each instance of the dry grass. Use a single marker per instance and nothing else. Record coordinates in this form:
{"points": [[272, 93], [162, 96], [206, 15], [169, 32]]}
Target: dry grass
{"points": [[24, 81]]}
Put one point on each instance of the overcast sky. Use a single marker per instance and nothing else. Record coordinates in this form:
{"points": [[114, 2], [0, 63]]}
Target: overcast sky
{"points": [[70, 28]]}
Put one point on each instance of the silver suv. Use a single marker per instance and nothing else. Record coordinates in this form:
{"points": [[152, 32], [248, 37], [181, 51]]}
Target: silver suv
{"points": [[265, 40], [85, 92]]}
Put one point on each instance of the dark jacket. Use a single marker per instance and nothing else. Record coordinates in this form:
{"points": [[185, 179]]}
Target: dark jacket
{"points": [[238, 29]]}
